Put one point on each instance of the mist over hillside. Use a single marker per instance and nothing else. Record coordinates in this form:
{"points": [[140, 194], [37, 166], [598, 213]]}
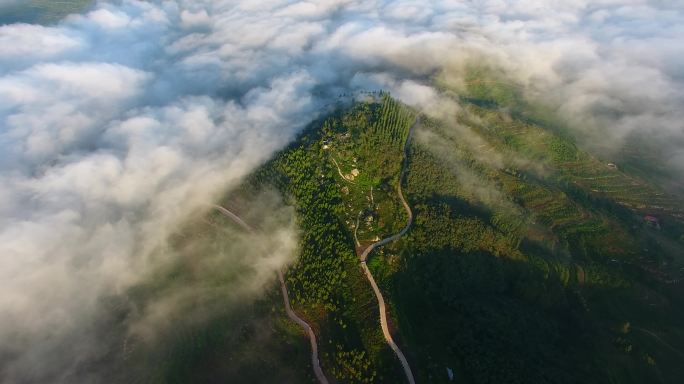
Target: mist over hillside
{"points": [[123, 123]]}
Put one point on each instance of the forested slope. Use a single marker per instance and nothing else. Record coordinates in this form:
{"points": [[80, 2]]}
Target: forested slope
{"points": [[529, 259]]}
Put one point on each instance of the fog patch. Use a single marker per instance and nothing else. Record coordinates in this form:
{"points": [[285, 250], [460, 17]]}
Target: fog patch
{"points": [[223, 265], [119, 124]]}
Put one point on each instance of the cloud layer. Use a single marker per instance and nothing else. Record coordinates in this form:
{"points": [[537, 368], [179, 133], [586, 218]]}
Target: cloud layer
{"points": [[117, 125]]}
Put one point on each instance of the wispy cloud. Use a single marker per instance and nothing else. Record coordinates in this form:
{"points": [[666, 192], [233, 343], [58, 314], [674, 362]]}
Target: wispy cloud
{"points": [[118, 124]]}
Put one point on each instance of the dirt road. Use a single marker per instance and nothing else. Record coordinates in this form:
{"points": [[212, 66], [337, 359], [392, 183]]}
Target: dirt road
{"points": [[286, 299], [369, 276]]}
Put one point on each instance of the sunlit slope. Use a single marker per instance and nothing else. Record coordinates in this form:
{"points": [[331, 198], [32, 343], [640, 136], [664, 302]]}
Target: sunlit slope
{"points": [[532, 260], [519, 266], [498, 112], [340, 175], [510, 232]]}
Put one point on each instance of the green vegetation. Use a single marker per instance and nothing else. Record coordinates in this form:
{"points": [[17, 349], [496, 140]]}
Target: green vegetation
{"points": [[342, 170], [510, 233], [189, 322], [528, 253], [529, 260]]}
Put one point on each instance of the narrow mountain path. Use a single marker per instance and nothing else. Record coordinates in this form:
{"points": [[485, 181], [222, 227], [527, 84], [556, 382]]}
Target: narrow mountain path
{"points": [[369, 276], [339, 170], [356, 227], [286, 299], [661, 341]]}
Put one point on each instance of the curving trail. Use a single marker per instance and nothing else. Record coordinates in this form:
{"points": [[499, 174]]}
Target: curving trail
{"points": [[286, 299], [340, 172], [356, 227], [661, 341], [369, 276], [312, 336]]}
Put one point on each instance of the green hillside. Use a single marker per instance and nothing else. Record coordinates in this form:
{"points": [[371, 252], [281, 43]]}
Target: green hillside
{"points": [[529, 260]]}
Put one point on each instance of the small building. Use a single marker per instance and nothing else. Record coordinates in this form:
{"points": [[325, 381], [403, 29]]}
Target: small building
{"points": [[355, 172], [652, 221], [612, 166]]}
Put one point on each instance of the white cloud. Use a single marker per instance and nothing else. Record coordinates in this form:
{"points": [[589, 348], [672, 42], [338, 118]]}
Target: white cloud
{"points": [[109, 19], [21, 41], [117, 124]]}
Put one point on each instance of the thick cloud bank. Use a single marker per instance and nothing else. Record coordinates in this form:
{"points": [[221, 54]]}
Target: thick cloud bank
{"points": [[118, 124]]}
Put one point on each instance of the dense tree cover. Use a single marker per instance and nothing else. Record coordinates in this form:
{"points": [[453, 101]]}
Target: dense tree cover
{"points": [[440, 227], [520, 317], [321, 281], [326, 283], [526, 258], [392, 126], [491, 319], [353, 367], [519, 244], [506, 272], [325, 245], [514, 271], [381, 146]]}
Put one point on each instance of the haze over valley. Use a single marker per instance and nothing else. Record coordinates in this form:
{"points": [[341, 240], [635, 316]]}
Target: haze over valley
{"points": [[341, 191]]}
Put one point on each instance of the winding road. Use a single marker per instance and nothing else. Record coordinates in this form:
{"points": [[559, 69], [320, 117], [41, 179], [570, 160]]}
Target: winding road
{"points": [[661, 341], [286, 299], [369, 276], [363, 257]]}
